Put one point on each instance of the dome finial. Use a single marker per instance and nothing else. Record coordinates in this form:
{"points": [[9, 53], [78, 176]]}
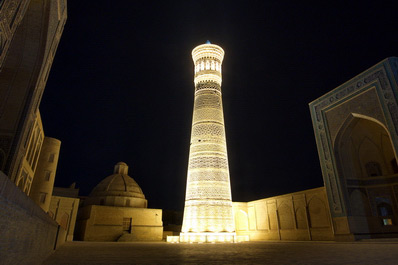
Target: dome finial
{"points": [[208, 42], [121, 168]]}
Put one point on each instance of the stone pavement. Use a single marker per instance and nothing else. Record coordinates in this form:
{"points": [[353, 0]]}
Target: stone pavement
{"points": [[370, 252]]}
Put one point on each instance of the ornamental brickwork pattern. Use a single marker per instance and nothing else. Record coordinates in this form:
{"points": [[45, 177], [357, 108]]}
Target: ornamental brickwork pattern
{"points": [[208, 203]]}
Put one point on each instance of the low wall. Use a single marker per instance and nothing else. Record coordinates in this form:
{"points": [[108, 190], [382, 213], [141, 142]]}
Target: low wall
{"points": [[106, 223], [27, 233], [302, 215]]}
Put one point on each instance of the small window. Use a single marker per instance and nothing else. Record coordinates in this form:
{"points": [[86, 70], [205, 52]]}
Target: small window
{"points": [[128, 203], [126, 224], [373, 169], [51, 158], [43, 197], [385, 211], [47, 175]]}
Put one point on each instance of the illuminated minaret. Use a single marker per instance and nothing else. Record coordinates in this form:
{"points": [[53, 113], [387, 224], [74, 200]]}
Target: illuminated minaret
{"points": [[208, 215]]}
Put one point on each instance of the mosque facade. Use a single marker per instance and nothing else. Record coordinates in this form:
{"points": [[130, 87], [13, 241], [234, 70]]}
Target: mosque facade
{"points": [[356, 132]]}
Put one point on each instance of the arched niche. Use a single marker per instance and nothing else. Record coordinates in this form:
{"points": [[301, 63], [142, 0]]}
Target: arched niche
{"points": [[366, 164], [318, 213], [242, 222], [286, 219], [363, 149], [359, 202], [301, 218]]}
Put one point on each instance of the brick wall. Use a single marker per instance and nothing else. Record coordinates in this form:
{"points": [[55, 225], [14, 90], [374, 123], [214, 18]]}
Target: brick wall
{"points": [[27, 233]]}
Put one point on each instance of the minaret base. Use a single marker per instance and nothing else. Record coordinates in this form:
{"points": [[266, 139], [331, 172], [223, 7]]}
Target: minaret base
{"points": [[207, 238]]}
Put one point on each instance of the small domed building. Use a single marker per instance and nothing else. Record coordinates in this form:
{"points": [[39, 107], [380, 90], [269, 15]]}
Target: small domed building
{"points": [[116, 210]]}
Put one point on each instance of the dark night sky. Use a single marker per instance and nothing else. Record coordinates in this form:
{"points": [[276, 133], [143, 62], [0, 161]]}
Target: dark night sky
{"points": [[121, 87]]}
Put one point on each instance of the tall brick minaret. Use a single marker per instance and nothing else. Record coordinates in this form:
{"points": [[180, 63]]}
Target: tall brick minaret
{"points": [[208, 215]]}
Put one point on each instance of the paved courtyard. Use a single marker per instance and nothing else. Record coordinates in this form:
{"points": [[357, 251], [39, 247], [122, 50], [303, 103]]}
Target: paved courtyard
{"points": [[240, 253]]}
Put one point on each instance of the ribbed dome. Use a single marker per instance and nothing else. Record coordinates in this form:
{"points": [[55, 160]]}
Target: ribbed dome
{"points": [[118, 185], [118, 189]]}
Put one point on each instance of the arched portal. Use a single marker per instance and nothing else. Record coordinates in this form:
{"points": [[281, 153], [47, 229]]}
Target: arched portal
{"points": [[366, 164], [364, 149]]}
